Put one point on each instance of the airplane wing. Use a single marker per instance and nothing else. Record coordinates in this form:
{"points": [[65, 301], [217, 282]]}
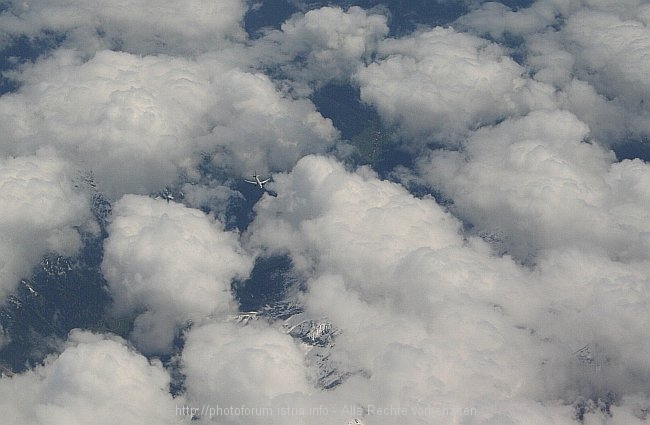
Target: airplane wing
{"points": [[249, 181], [266, 181]]}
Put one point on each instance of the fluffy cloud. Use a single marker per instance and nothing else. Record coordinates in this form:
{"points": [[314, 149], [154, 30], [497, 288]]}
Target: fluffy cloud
{"points": [[427, 315], [595, 52], [255, 127], [563, 205], [323, 44], [173, 262], [428, 312], [592, 306], [609, 44], [438, 84], [497, 19], [95, 379], [254, 366], [394, 273], [611, 52], [318, 184], [40, 212], [137, 122], [541, 186], [609, 122], [141, 26], [431, 316], [121, 115]]}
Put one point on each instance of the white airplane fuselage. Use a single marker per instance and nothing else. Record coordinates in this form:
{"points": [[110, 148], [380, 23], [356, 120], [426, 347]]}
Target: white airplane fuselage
{"points": [[257, 181]]}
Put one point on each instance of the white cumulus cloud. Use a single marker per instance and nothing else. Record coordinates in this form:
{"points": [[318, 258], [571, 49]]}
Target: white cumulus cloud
{"points": [[137, 122], [541, 186], [594, 52], [438, 84], [324, 44], [523, 297], [428, 315], [253, 367], [140, 27], [40, 213], [170, 263], [95, 379]]}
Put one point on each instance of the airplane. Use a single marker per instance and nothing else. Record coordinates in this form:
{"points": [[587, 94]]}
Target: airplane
{"points": [[257, 181]]}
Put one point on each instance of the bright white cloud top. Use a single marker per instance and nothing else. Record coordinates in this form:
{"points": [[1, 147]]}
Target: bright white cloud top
{"points": [[255, 366], [40, 213], [137, 122], [541, 186], [424, 311], [438, 84], [596, 51], [331, 43], [514, 283], [95, 379], [174, 262], [142, 26]]}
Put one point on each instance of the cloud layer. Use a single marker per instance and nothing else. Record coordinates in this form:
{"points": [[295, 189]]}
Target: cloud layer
{"points": [[437, 84], [140, 27], [428, 315], [255, 366], [595, 52], [95, 379], [322, 45], [137, 122], [173, 264], [41, 212], [542, 187], [524, 297]]}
